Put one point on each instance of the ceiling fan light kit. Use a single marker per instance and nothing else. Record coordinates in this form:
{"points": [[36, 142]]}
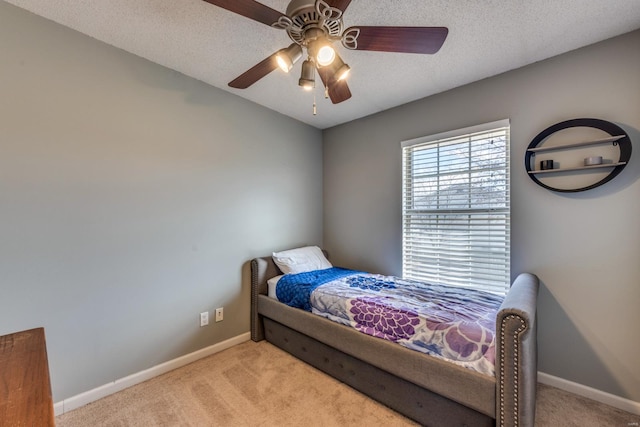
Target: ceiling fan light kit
{"points": [[315, 25], [322, 52], [342, 69], [308, 77], [288, 56]]}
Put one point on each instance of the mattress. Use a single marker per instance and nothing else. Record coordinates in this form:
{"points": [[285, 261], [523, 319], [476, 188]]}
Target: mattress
{"points": [[452, 323]]}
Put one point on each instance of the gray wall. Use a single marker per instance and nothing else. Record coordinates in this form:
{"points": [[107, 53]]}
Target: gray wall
{"points": [[585, 247], [131, 199]]}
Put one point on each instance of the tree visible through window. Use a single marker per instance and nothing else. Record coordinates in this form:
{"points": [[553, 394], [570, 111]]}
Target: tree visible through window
{"points": [[456, 211]]}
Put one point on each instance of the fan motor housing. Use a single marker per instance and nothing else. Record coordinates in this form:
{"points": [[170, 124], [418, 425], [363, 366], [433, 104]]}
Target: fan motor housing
{"points": [[307, 14], [297, 6]]}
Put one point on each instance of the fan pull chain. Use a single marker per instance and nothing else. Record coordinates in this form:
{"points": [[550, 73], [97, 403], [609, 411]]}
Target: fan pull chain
{"points": [[315, 110]]}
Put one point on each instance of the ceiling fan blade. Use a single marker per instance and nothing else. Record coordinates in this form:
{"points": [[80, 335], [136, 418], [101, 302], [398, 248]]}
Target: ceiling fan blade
{"points": [[255, 73], [338, 89], [339, 92], [338, 4], [400, 39], [250, 9]]}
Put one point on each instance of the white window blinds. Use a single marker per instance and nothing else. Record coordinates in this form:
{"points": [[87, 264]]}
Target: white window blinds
{"points": [[456, 226]]}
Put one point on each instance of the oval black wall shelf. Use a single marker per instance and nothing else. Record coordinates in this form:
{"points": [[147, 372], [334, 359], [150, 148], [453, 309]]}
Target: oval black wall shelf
{"points": [[618, 137]]}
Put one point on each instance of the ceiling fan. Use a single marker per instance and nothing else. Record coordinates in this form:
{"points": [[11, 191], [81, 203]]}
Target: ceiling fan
{"points": [[314, 25]]}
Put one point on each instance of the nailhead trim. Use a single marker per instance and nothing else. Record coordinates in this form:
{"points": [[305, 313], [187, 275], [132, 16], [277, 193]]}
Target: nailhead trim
{"points": [[255, 327], [523, 327]]}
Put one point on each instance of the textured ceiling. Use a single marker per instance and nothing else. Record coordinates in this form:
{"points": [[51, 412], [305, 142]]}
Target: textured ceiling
{"points": [[213, 45]]}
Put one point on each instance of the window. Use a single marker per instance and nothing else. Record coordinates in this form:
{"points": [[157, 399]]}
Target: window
{"points": [[455, 209]]}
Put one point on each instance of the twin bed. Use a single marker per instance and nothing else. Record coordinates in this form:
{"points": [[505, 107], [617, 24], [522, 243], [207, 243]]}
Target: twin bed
{"points": [[419, 380]]}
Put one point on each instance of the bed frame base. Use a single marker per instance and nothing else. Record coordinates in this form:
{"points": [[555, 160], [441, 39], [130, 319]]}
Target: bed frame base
{"points": [[424, 388], [423, 406]]}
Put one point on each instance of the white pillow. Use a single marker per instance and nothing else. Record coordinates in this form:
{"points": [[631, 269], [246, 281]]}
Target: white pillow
{"points": [[273, 284], [301, 260]]}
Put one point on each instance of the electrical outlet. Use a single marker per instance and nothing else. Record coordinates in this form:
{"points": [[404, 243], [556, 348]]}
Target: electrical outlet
{"points": [[219, 314], [204, 318]]}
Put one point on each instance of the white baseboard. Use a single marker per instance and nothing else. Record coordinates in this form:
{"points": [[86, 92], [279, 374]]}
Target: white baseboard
{"points": [[590, 393], [82, 399]]}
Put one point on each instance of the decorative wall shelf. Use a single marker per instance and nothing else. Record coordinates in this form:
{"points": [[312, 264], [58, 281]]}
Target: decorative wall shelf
{"points": [[577, 144], [618, 138], [580, 168]]}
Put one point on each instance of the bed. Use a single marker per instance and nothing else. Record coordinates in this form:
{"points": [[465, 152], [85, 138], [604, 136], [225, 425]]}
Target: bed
{"points": [[427, 389]]}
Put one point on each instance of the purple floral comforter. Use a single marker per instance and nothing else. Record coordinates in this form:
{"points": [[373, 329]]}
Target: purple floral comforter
{"points": [[452, 323]]}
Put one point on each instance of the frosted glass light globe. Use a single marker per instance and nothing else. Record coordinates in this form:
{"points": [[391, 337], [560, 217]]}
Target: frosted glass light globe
{"points": [[325, 55]]}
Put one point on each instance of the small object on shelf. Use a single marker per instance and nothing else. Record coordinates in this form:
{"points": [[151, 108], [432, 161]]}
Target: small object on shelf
{"points": [[546, 164], [592, 161]]}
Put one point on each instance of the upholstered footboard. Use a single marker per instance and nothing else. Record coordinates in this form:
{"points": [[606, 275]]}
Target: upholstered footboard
{"points": [[429, 390], [516, 354]]}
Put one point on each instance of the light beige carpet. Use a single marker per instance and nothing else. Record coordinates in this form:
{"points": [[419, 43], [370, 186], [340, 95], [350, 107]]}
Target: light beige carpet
{"points": [[257, 384]]}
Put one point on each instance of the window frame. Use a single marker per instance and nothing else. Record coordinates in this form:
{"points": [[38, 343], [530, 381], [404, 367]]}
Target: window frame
{"points": [[449, 265]]}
